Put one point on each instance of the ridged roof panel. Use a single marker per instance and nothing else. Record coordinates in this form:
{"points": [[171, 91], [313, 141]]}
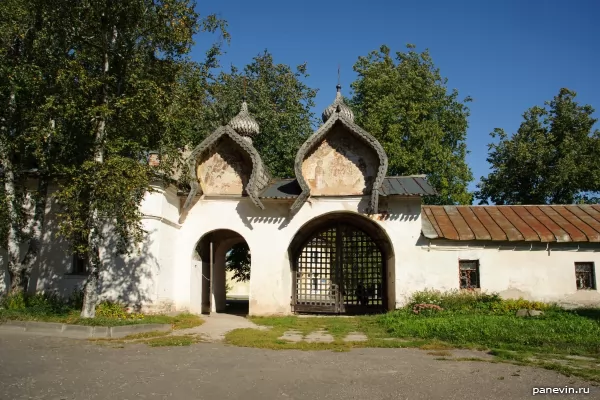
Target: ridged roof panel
{"points": [[544, 223]]}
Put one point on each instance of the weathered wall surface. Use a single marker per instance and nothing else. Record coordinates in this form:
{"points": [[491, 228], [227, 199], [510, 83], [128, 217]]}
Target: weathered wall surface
{"points": [[224, 170], [340, 165], [513, 270], [166, 273], [269, 233], [143, 279]]}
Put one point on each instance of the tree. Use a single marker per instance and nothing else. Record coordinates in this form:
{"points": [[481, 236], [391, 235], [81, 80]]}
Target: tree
{"points": [[238, 262], [126, 64], [30, 50], [552, 159], [405, 104], [278, 99]]}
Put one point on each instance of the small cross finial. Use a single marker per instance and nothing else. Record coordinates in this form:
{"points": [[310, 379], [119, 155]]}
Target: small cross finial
{"points": [[338, 74], [244, 96]]}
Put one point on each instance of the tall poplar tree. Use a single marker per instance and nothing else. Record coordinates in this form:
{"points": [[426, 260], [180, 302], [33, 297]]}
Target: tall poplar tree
{"points": [[551, 159], [404, 102]]}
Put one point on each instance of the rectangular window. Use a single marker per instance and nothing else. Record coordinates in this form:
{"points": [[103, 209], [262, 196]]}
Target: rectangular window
{"points": [[79, 265], [469, 274], [584, 276]]}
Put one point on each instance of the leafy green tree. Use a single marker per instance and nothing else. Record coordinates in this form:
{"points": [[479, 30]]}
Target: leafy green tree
{"points": [[238, 262], [31, 38], [404, 102], [552, 159], [279, 100], [127, 64]]}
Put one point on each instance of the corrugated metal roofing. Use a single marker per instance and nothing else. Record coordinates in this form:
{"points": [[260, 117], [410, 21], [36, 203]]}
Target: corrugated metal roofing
{"points": [[544, 223], [392, 185]]}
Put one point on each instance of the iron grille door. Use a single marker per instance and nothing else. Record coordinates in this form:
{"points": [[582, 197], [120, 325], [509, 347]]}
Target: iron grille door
{"points": [[339, 270], [316, 289], [362, 269]]}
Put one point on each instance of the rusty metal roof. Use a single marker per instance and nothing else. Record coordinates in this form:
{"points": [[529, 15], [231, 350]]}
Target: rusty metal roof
{"points": [[543, 223], [392, 186]]}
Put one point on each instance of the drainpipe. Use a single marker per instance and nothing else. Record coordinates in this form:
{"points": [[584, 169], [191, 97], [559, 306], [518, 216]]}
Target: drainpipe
{"points": [[211, 289]]}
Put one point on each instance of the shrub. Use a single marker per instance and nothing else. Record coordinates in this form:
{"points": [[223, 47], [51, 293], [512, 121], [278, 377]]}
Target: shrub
{"points": [[110, 309], [14, 301], [466, 301], [426, 296], [511, 306], [115, 310], [76, 298], [426, 309], [46, 303]]}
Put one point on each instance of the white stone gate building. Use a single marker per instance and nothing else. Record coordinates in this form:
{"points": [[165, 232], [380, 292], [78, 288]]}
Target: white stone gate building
{"points": [[342, 237]]}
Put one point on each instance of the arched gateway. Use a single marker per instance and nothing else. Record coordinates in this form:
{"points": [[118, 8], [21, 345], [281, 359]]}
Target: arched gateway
{"points": [[339, 265]]}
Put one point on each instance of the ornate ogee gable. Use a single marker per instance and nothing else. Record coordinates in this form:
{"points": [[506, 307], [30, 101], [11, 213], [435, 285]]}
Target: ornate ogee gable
{"points": [[340, 158], [222, 162]]}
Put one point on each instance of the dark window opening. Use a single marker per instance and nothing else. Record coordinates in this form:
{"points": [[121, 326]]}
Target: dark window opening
{"points": [[469, 274], [79, 265], [584, 276]]}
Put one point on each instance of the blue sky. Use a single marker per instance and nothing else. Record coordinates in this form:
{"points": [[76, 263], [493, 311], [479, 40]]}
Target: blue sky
{"points": [[506, 55]]}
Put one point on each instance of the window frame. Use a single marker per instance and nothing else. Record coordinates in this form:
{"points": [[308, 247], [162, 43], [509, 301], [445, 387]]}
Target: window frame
{"points": [[477, 271], [76, 260], [592, 273]]}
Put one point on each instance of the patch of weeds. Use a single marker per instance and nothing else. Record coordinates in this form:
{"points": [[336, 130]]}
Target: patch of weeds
{"points": [[510, 355], [500, 378], [436, 345], [172, 341], [443, 353], [186, 321], [145, 335]]}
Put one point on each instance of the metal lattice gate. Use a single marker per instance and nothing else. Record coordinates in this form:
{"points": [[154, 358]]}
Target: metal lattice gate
{"points": [[340, 269]]}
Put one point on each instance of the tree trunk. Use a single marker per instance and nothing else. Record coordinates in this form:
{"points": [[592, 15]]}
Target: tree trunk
{"points": [[12, 246], [37, 229], [90, 293]]}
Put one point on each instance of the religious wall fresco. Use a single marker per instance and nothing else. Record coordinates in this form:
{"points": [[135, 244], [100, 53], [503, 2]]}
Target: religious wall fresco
{"points": [[341, 164], [224, 170]]}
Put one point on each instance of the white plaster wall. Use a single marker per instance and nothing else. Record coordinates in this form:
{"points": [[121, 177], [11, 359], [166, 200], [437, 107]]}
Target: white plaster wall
{"points": [[144, 278], [164, 271], [54, 263], [513, 270], [269, 233]]}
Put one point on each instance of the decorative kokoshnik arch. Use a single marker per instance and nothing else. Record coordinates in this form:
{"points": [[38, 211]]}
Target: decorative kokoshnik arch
{"points": [[239, 131], [338, 114]]}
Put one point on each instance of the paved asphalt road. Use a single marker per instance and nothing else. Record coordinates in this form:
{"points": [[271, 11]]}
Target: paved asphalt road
{"points": [[34, 367]]}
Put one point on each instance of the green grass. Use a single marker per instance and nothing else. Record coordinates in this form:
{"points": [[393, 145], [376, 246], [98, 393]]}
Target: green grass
{"points": [[172, 341], [557, 331], [544, 342], [181, 321]]}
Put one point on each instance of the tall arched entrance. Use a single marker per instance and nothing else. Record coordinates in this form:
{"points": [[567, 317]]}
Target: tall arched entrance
{"points": [[214, 255], [340, 265]]}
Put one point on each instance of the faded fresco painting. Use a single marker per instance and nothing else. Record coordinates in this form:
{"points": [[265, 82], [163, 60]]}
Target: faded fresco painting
{"points": [[224, 170], [341, 165]]}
